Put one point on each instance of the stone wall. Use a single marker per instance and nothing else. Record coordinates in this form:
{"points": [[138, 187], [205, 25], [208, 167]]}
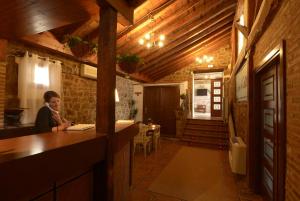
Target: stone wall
{"points": [[125, 91], [285, 26], [222, 58], [78, 93]]}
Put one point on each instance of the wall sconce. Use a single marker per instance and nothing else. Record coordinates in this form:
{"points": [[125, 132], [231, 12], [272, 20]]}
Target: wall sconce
{"points": [[117, 96], [138, 93]]}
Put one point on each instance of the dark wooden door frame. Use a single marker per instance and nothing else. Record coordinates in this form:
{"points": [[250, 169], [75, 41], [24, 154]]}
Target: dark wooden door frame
{"points": [[254, 137]]}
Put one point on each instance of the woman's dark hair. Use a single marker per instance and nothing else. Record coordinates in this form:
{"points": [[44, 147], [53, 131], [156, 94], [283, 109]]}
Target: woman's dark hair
{"points": [[49, 94]]}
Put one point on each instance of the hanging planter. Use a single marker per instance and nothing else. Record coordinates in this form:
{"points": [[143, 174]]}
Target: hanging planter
{"points": [[80, 48], [128, 63]]}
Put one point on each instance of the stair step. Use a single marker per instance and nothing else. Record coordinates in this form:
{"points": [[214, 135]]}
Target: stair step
{"points": [[208, 132], [219, 145], [208, 138], [206, 127], [205, 135], [206, 122]]}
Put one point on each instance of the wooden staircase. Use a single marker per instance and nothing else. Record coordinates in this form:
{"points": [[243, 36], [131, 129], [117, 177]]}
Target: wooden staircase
{"points": [[206, 133]]}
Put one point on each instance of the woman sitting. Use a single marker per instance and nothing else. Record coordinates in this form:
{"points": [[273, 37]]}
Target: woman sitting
{"points": [[48, 118]]}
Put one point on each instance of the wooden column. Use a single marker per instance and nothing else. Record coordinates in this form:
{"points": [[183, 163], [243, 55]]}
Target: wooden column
{"points": [[3, 54], [106, 84]]}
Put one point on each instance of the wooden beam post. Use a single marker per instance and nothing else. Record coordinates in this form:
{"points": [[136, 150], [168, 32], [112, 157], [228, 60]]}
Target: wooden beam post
{"points": [[3, 55], [106, 84]]}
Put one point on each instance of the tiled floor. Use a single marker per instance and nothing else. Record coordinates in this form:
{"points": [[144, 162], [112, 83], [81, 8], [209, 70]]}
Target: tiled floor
{"points": [[147, 170]]}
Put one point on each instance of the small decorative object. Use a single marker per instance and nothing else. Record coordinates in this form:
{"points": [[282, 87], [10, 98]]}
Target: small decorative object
{"points": [[12, 116], [183, 105], [79, 47], [149, 121], [128, 62]]}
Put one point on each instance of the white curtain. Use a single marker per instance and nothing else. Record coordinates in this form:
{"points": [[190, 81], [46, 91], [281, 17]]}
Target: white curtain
{"points": [[36, 76]]}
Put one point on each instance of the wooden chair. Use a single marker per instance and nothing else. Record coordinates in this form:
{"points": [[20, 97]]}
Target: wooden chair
{"points": [[142, 139], [156, 138]]}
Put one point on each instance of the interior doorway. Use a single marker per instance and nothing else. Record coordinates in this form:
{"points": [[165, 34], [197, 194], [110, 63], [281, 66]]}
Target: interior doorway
{"points": [[270, 132], [160, 102], [207, 95]]}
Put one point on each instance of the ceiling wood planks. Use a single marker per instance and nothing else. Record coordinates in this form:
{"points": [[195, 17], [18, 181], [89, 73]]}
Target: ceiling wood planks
{"points": [[191, 27]]}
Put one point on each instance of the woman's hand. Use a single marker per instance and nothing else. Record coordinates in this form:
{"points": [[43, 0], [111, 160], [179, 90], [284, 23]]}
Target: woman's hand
{"points": [[57, 118]]}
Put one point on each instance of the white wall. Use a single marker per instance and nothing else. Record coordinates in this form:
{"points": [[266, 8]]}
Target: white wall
{"points": [[202, 100]]}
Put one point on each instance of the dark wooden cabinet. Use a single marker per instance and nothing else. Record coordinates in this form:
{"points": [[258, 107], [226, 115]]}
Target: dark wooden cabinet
{"points": [[79, 188]]}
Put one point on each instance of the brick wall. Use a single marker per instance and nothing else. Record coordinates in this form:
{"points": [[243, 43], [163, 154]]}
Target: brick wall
{"points": [[78, 93], [286, 26]]}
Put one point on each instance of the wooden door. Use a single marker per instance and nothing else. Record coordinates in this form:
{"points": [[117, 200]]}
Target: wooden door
{"points": [[268, 132], [216, 97], [160, 103], [271, 133]]}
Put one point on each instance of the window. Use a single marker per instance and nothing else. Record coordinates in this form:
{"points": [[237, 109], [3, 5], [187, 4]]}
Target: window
{"points": [[41, 75]]}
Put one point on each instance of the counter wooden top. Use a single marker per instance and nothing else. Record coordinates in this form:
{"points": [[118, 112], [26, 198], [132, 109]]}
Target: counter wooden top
{"points": [[20, 147]]}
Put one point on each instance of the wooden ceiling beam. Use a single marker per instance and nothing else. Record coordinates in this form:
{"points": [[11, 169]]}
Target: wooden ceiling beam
{"points": [[124, 9], [208, 49], [184, 39], [167, 21], [145, 18], [211, 46], [179, 64], [206, 46], [87, 27], [181, 29], [191, 43]]}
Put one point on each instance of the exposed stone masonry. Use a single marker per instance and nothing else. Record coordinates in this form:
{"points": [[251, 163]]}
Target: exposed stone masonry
{"points": [[78, 93]]}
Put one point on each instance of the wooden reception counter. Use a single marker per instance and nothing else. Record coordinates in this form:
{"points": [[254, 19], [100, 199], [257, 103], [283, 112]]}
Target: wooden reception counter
{"points": [[60, 166]]}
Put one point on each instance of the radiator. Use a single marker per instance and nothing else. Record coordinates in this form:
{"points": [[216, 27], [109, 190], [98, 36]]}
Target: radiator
{"points": [[237, 155]]}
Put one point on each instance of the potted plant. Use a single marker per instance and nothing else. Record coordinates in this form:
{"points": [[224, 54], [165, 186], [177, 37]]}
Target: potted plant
{"points": [[80, 47], [128, 62]]}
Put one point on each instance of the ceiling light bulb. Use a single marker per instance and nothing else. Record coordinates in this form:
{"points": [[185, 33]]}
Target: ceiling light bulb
{"points": [[197, 59], [200, 61], [210, 66], [147, 36], [205, 57], [141, 41], [160, 44], [211, 58], [162, 37], [148, 45]]}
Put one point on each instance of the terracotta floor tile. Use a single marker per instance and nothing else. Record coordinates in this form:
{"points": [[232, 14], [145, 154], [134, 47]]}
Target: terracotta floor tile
{"points": [[147, 170]]}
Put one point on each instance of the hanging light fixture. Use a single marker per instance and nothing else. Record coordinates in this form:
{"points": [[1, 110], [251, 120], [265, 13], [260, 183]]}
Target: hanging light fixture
{"points": [[150, 39], [205, 59]]}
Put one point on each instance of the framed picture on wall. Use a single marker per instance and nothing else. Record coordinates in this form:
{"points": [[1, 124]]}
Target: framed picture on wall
{"points": [[241, 82]]}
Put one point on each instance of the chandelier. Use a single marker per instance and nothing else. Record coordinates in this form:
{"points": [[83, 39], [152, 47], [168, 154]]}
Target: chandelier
{"points": [[150, 39], [205, 59]]}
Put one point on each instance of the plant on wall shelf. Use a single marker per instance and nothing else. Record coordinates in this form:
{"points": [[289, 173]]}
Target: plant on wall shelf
{"points": [[80, 47], [128, 62]]}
